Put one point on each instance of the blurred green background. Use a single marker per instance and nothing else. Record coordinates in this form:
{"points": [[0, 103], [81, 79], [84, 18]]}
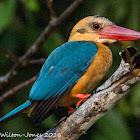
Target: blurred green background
{"points": [[22, 21]]}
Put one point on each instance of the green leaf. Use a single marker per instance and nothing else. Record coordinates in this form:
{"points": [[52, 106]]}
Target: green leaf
{"points": [[32, 5], [54, 40], [135, 100], [112, 127], [50, 122], [7, 10]]}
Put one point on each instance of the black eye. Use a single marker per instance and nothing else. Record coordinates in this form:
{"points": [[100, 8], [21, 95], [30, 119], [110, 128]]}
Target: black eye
{"points": [[96, 26]]}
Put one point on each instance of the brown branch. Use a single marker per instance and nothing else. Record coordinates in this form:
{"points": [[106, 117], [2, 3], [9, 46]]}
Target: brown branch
{"points": [[52, 12], [9, 55], [51, 26], [16, 88], [100, 102], [37, 61], [23, 84], [39, 42]]}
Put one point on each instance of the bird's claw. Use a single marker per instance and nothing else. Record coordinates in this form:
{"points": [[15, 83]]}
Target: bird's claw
{"points": [[82, 97]]}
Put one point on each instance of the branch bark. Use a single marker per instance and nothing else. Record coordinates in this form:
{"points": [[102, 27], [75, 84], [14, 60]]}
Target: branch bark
{"points": [[93, 108], [38, 43], [52, 12], [16, 88], [9, 55], [37, 61]]}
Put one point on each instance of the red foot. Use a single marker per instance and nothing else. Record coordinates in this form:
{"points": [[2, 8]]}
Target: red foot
{"points": [[70, 109], [82, 97]]}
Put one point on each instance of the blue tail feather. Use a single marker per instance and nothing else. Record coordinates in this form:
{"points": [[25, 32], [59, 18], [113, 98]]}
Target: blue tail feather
{"points": [[16, 112]]}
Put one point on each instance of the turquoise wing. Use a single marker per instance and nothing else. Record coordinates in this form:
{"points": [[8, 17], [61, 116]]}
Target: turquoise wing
{"points": [[62, 69], [65, 65]]}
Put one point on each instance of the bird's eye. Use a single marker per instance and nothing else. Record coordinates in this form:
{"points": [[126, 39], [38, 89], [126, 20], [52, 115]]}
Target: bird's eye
{"points": [[96, 26]]}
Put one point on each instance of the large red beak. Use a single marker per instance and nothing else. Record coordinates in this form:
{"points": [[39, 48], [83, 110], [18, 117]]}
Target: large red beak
{"points": [[119, 33]]}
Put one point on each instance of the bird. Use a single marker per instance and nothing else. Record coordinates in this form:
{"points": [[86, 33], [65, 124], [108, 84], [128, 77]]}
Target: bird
{"points": [[73, 69]]}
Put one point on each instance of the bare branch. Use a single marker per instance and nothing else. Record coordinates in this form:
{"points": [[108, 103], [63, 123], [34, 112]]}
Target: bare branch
{"points": [[9, 55], [39, 42], [23, 84], [37, 61], [51, 26], [52, 12], [16, 88], [100, 102]]}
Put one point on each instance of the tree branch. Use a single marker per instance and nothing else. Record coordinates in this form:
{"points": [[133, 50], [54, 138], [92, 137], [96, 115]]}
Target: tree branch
{"points": [[16, 88], [38, 43], [100, 102], [52, 12], [37, 61], [9, 55]]}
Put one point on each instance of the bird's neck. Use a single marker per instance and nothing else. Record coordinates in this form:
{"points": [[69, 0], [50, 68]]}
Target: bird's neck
{"points": [[104, 53]]}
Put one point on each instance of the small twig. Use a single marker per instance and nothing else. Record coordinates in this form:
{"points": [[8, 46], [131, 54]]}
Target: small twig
{"points": [[48, 30], [37, 61], [52, 12], [9, 55], [16, 88], [39, 42]]}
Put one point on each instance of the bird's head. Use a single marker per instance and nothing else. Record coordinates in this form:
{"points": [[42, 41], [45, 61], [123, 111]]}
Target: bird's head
{"points": [[100, 29]]}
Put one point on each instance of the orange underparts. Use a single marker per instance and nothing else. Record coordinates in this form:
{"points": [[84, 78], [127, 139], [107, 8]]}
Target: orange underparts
{"points": [[80, 96]]}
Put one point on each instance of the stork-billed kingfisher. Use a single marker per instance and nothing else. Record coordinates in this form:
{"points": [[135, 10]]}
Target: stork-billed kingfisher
{"points": [[73, 69]]}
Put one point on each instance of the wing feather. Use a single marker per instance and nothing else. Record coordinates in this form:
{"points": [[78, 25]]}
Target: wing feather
{"points": [[60, 72]]}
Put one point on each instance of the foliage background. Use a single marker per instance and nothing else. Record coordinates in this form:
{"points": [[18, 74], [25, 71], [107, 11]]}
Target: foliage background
{"points": [[22, 21]]}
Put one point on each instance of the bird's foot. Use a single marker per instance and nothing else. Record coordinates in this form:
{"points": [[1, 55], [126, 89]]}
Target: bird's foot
{"points": [[70, 110], [82, 97]]}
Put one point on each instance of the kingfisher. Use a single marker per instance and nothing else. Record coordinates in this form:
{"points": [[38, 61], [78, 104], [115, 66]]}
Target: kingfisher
{"points": [[73, 69]]}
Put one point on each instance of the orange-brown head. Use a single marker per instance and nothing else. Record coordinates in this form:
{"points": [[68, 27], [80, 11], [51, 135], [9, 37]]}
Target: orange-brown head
{"points": [[100, 29]]}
